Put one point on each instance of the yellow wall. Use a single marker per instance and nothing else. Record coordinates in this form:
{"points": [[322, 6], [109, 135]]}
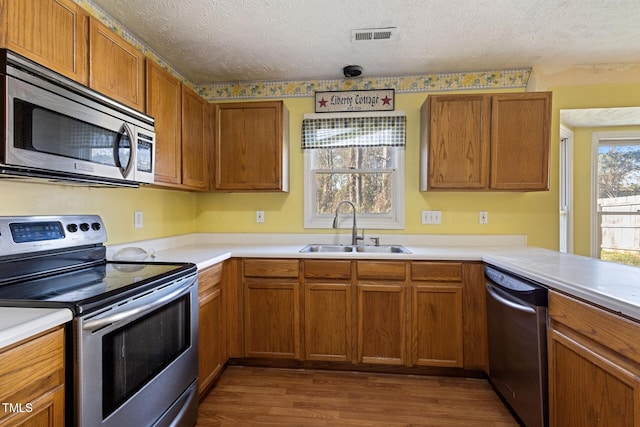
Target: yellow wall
{"points": [[165, 212], [586, 96], [533, 214]]}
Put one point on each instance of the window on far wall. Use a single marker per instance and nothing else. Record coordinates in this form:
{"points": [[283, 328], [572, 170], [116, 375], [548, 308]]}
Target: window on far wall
{"points": [[617, 207], [355, 157]]}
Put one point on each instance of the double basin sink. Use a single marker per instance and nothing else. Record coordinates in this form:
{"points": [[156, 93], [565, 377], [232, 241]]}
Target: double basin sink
{"points": [[382, 249]]}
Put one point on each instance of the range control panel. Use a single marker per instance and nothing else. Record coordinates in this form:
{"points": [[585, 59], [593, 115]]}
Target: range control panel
{"points": [[24, 234]]}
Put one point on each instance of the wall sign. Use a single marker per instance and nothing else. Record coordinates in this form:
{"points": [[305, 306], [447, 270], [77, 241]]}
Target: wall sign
{"points": [[355, 100]]}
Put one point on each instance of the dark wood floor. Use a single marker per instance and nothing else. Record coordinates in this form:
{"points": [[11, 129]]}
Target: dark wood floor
{"points": [[291, 397]]}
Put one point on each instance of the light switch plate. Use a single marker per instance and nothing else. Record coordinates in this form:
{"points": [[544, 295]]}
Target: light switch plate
{"points": [[483, 217], [138, 220], [431, 217]]}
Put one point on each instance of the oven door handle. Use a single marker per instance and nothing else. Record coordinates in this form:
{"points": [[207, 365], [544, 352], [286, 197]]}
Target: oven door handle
{"points": [[92, 325], [495, 293]]}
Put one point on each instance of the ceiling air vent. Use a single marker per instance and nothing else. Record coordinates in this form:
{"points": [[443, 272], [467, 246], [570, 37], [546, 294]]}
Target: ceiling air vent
{"points": [[373, 34]]}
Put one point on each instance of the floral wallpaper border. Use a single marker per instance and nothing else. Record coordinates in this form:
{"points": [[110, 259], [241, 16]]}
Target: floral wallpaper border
{"points": [[496, 79], [436, 82]]}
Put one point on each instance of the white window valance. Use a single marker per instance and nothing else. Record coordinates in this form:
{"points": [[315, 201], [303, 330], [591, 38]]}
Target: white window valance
{"points": [[354, 130]]}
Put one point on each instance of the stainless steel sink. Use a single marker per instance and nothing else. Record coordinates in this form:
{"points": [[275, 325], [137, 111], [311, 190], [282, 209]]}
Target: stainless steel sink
{"points": [[383, 249], [327, 248]]}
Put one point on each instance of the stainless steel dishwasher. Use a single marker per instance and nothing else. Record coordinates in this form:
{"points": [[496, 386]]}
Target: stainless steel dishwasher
{"points": [[516, 320]]}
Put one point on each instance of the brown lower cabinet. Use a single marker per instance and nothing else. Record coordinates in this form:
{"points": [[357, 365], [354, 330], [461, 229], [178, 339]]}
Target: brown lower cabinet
{"points": [[32, 381], [211, 327], [436, 310], [403, 313], [328, 311], [594, 366], [382, 329], [271, 309]]}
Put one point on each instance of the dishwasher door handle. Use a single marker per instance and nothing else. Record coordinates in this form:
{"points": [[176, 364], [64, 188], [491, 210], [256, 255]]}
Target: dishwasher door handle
{"points": [[496, 294]]}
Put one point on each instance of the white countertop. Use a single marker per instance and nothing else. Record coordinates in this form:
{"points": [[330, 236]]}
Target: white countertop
{"points": [[610, 285], [206, 249], [17, 324]]}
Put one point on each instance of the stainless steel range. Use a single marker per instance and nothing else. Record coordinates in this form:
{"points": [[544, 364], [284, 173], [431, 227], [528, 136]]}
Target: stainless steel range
{"points": [[133, 338]]}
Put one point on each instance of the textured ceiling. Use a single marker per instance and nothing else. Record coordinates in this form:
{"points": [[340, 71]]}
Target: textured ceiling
{"points": [[592, 117], [210, 41]]}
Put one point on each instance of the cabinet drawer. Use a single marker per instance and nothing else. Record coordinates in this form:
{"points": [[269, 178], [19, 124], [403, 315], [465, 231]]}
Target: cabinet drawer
{"points": [[381, 270], [614, 332], [436, 271], [209, 278], [327, 269], [271, 268], [30, 369]]}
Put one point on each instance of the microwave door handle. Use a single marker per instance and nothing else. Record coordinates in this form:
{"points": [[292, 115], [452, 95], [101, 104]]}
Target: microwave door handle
{"points": [[126, 170]]}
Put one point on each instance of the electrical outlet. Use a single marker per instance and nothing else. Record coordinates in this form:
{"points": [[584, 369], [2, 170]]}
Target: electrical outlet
{"points": [[483, 217], [431, 217], [259, 217], [138, 219]]}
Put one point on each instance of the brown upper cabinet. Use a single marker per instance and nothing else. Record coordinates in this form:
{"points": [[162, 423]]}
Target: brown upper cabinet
{"points": [[184, 135], [52, 33], [497, 142], [251, 146], [116, 68], [164, 104], [196, 140]]}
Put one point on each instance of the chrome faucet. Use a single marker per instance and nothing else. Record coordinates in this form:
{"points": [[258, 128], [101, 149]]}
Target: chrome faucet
{"points": [[354, 229]]}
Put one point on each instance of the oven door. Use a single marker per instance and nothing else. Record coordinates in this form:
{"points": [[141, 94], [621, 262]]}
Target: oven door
{"points": [[136, 361]]}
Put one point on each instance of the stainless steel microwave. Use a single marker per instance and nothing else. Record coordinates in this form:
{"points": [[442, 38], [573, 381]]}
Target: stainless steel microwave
{"points": [[57, 129]]}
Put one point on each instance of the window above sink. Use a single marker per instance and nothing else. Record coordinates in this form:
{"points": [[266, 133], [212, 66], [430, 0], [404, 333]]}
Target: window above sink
{"points": [[357, 157]]}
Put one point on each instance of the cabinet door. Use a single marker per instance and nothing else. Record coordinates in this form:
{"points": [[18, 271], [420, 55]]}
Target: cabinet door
{"points": [[457, 141], [520, 134], [474, 315], [437, 324], [46, 410], [271, 319], [328, 323], [594, 366], [381, 323], [587, 389], [116, 68], [33, 373], [211, 327], [164, 104], [195, 149], [53, 33], [437, 313], [251, 146]]}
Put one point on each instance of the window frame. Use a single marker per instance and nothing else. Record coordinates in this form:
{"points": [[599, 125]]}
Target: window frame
{"points": [[566, 190], [598, 139], [393, 221]]}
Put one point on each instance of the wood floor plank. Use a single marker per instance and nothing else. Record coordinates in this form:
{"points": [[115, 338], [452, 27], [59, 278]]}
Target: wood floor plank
{"points": [[245, 396]]}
